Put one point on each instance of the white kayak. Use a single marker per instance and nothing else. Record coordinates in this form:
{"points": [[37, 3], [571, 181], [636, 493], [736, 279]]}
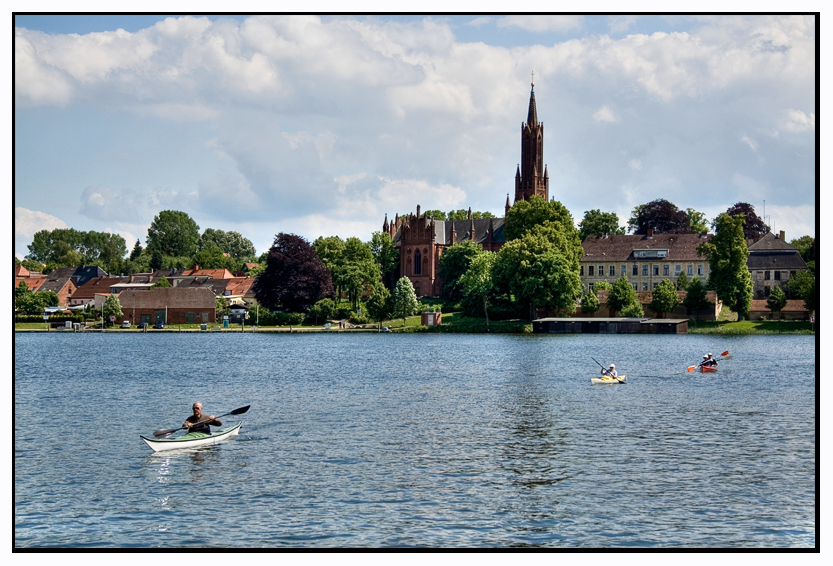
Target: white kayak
{"points": [[607, 380], [192, 439]]}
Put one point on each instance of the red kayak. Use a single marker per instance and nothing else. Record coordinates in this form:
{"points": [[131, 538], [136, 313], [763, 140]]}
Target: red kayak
{"points": [[708, 369]]}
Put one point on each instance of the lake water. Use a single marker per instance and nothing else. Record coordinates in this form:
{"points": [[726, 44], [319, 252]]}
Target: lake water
{"points": [[426, 440]]}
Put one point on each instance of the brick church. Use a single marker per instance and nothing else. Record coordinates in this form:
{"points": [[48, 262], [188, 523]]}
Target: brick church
{"points": [[421, 241]]}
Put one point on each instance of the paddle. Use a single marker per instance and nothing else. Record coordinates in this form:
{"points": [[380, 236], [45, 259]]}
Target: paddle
{"points": [[167, 431], [604, 369], [726, 353]]}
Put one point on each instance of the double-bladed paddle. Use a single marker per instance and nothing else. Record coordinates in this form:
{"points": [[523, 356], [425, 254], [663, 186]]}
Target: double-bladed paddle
{"points": [[724, 356], [167, 431], [604, 369]]}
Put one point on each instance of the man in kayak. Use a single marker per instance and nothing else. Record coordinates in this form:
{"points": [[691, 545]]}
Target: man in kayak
{"points": [[610, 372], [708, 360], [199, 422]]}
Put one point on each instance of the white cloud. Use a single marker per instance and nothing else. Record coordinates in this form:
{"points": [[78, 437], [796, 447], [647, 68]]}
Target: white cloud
{"points": [[620, 24], [543, 23], [753, 145], [798, 121], [28, 222], [604, 114]]}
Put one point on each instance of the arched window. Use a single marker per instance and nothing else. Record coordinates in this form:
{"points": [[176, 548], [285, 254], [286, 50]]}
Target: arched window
{"points": [[417, 263]]}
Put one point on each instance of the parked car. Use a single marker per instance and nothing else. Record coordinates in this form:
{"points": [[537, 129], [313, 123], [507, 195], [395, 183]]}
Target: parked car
{"points": [[159, 324], [142, 325], [125, 324]]}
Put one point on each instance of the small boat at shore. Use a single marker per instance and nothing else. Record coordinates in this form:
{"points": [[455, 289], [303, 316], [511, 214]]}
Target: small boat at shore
{"points": [[607, 380], [192, 439]]}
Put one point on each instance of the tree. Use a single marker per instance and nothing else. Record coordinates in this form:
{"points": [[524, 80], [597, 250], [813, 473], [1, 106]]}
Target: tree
{"points": [[163, 282], [727, 253], [776, 301], [695, 298], [621, 295], [67, 247], [137, 251], [633, 310], [379, 305], [323, 309], [525, 215], [403, 299], [386, 255], [590, 303], [541, 269], [664, 298], [111, 308], [682, 282], [477, 281], [358, 269], [602, 285], [462, 214], [173, 233], [28, 302], [803, 286], [221, 308], [454, 263], [660, 216], [697, 221], [211, 256], [232, 243], [754, 227], [294, 277], [806, 247], [435, 214], [597, 222]]}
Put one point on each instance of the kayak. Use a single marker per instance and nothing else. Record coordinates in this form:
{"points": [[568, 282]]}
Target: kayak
{"points": [[607, 380], [708, 369], [192, 439]]}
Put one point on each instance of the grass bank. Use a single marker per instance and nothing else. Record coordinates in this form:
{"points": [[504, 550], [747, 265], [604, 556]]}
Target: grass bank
{"points": [[744, 327]]}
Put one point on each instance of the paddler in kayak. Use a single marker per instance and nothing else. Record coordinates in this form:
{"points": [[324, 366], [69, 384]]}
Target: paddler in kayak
{"points": [[199, 422], [709, 361], [610, 372]]}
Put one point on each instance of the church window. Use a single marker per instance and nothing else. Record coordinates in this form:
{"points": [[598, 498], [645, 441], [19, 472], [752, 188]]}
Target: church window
{"points": [[417, 263]]}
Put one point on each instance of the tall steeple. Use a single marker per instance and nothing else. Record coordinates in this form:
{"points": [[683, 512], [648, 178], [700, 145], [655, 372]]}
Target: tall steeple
{"points": [[529, 179]]}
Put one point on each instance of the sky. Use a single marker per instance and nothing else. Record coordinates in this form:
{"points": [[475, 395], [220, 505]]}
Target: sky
{"points": [[322, 125]]}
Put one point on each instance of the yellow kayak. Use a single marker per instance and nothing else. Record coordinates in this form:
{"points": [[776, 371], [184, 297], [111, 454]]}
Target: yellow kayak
{"points": [[608, 380]]}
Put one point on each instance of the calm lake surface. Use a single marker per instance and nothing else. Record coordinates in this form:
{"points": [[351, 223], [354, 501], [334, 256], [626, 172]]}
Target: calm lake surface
{"points": [[428, 440]]}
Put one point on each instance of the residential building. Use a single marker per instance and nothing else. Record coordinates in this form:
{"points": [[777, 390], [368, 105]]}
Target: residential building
{"points": [[646, 259], [86, 293], [169, 305], [772, 261]]}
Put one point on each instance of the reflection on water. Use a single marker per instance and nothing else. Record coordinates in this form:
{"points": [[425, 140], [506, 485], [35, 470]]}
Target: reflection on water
{"points": [[426, 441]]}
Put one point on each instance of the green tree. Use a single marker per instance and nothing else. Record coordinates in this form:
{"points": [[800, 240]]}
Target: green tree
{"points": [[211, 256], [664, 298], [597, 222], [697, 221], [386, 256], [633, 310], [804, 245], [163, 282], [232, 243], [727, 253], [403, 299], [379, 305], [695, 298], [454, 262], [621, 295], [541, 268], [322, 310], [28, 302], [477, 281], [682, 282], [590, 303], [221, 307], [435, 214], [659, 215], [358, 269], [173, 233], [776, 301], [602, 285], [111, 308], [137, 251], [525, 215], [802, 285]]}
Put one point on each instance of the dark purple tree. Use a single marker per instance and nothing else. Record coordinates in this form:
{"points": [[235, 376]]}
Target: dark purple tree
{"points": [[660, 216], [295, 278], [754, 228]]}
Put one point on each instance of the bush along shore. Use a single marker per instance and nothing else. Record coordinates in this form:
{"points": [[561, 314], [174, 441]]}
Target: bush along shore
{"points": [[455, 323]]}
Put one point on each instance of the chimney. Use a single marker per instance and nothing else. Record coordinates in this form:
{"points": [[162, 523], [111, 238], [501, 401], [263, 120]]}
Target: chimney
{"points": [[782, 235], [650, 232], [417, 211]]}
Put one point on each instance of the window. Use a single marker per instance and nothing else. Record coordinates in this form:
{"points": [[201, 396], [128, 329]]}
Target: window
{"points": [[690, 270], [635, 271], [677, 270], [656, 270], [634, 286], [645, 270], [601, 270], [417, 263], [590, 270], [766, 275], [624, 269], [612, 272], [590, 287], [654, 286], [778, 276], [581, 271], [766, 291], [699, 270], [644, 286], [665, 270]]}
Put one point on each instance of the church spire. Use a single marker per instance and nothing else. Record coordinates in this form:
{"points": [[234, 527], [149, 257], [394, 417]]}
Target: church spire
{"points": [[532, 116]]}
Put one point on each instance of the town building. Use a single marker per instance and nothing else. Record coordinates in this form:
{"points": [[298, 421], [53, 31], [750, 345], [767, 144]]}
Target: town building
{"points": [[646, 259], [170, 305], [772, 261], [422, 240]]}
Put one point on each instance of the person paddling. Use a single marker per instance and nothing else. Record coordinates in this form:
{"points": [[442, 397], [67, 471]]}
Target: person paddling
{"points": [[610, 372], [708, 360], [199, 422]]}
